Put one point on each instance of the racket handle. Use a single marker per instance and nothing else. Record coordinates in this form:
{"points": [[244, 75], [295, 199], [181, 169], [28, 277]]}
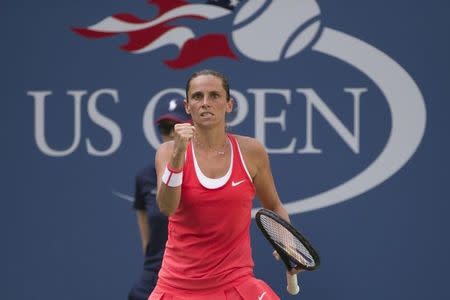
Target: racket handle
{"points": [[292, 284]]}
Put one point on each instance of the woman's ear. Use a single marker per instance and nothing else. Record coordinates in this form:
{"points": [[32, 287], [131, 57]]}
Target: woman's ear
{"points": [[230, 105], [186, 106]]}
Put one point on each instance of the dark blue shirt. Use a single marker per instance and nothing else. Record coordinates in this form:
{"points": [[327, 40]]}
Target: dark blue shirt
{"points": [[145, 199]]}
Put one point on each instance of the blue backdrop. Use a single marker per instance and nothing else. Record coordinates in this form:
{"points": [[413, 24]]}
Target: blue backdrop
{"points": [[349, 97]]}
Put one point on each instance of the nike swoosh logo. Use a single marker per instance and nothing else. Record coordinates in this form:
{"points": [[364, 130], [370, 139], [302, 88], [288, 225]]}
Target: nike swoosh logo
{"points": [[262, 296], [233, 184]]}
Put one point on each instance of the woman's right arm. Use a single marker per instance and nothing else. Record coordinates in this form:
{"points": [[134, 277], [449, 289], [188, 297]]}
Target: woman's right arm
{"points": [[168, 198], [171, 155]]}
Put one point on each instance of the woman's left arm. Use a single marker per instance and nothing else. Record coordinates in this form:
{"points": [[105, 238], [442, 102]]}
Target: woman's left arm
{"points": [[264, 182]]}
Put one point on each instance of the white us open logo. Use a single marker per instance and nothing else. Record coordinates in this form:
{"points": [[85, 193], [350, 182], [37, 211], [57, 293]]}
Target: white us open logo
{"points": [[259, 35]]}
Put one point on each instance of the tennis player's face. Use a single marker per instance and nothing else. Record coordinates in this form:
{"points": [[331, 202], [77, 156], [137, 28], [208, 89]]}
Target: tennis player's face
{"points": [[207, 100]]}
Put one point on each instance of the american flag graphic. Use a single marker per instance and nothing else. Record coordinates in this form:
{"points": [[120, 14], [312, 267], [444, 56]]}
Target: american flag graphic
{"points": [[148, 35]]}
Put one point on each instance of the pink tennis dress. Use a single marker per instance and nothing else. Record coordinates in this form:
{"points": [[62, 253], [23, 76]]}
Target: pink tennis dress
{"points": [[208, 253]]}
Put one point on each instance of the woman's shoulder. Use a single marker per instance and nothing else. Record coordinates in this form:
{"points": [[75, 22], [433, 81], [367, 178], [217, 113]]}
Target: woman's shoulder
{"points": [[250, 145], [253, 152]]}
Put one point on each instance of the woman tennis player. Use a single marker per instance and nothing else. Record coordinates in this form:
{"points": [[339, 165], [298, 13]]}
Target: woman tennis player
{"points": [[207, 179]]}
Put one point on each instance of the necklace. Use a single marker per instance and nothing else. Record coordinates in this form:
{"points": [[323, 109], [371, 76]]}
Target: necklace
{"points": [[220, 151]]}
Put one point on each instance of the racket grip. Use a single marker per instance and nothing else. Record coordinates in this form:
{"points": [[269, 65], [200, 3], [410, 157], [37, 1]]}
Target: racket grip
{"points": [[292, 284]]}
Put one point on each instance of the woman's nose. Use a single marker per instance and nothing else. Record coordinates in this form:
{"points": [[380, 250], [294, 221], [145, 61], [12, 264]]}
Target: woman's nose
{"points": [[205, 100]]}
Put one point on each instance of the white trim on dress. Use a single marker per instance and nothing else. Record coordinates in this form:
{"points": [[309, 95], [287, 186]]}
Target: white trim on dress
{"points": [[212, 183]]}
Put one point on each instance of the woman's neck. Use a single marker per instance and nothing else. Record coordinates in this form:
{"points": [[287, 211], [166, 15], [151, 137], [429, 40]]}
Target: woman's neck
{"points": [[209, 137], [211, 140]]}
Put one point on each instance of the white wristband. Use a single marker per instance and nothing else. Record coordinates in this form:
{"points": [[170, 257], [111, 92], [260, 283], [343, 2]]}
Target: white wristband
{"points": [[172, 178]]}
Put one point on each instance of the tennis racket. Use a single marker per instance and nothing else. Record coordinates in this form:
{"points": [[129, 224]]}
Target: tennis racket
{"points": [[292, 247]]}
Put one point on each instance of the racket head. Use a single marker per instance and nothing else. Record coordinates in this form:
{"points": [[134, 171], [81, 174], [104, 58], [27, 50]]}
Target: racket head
{"points": [[293, 248]]}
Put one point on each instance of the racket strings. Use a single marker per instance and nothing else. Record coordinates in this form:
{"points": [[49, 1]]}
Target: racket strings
{"points": [[287, 241]]}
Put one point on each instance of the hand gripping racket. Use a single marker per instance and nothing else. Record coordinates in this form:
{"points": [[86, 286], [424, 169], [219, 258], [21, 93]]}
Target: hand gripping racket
{"points": [[292, 247]]}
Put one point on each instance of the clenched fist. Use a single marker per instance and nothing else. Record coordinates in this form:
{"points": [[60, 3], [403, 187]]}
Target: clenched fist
{"points": [[183, 133]]}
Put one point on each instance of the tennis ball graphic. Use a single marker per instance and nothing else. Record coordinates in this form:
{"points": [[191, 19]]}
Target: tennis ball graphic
{"points": [[269, 31]]}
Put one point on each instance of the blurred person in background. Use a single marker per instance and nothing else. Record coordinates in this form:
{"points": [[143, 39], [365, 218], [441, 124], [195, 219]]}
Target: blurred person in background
{"points": [[152, 224]]}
